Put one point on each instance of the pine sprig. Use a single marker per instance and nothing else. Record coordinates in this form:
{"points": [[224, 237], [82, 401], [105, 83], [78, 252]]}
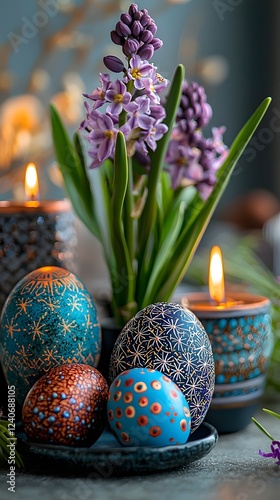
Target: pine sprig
{"points": [[4, 442]]}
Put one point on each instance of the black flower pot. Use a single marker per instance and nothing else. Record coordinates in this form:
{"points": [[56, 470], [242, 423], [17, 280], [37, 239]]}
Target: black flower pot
{"points": [[109, 334]]}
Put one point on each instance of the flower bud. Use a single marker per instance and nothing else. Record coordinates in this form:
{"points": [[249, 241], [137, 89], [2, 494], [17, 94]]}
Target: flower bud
{"points": [[146, 52], [116, 39], [137, 16], [122, 29], [113, 63], [136, 28], [130, 47], [145, 20], [152, 27], [157, 111], [126, 19], [145, 12], [146, 36], [157, 43], [133, 9]]}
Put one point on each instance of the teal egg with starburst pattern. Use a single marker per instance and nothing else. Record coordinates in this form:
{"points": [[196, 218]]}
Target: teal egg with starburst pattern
{"points": [[48, 319]]}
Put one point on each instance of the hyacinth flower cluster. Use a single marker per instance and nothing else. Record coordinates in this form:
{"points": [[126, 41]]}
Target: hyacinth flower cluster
{"points": [[134, 107], [193, 158], [140, 172]]}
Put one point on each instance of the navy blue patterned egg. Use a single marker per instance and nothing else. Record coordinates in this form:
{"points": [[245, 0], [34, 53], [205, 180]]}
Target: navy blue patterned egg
{"points": [[49, 319], [145, 408], [169, 338]]}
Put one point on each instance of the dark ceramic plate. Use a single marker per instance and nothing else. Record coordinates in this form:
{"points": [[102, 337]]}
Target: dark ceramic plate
{"points": [[106, 457]]}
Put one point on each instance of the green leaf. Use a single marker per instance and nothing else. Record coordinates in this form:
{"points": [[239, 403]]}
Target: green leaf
{"points": [[124, 278], [72, 167], [157, 159], [149, 214], [165, 248], [262, 429], [272, 413], [192, 234]]}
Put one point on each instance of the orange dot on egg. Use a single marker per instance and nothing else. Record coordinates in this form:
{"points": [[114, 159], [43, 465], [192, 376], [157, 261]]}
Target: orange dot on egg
{"points": [[143, 401], [155, 431], [142, 420], [128, 397], [128, 382], [173, 394], [183, 425], [156, 408]]}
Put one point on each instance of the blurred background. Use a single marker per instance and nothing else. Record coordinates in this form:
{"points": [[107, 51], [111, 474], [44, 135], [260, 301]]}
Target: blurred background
{"points": [[53, 50]]}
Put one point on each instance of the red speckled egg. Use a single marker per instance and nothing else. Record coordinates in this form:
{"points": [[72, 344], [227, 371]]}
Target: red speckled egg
{"points": [[67, 406]]}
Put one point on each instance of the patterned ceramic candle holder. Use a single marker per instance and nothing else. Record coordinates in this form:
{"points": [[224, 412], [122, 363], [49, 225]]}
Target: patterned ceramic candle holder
{"points": [[32, 235], [241, 339]]}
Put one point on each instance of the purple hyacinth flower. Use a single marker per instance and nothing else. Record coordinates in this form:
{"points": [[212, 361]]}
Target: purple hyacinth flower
{"points": [[139, 70], [123, 29], [204, 190], [157, 112], [130, 47], [154, 85], [146, 36], [139, 114], [133, 9], [146, 52], [117, 39], [145, 19], [136, 28], [275, 451], [155, 133], [126, 18], [102, 137], [114, 64], [118, 96], [152, 27], [98, 95], [157, 43], [180, 158]]}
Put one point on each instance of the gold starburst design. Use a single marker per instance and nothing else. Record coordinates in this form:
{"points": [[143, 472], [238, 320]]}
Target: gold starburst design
{"points": [[37, 329], [12, 327], [67, 326]]}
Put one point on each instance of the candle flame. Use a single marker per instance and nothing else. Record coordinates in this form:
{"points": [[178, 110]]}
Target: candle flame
{"points": [[31, 183], [216, 276]]}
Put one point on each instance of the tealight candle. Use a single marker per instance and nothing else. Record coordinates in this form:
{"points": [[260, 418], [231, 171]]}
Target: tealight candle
{"points": [[34, 233], [239, 329]]}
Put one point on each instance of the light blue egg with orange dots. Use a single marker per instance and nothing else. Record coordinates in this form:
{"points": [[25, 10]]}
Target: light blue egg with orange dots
{"points": [[145, 408], [48, 319]]}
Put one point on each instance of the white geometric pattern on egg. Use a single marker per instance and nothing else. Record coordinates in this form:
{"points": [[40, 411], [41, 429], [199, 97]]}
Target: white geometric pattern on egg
{"points": [[166, 337]]}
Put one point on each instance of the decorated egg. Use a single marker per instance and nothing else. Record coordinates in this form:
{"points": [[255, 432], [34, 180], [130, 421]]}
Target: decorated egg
{"points": [[169, 338], [48, 319], [145, 408], [67, 406]]}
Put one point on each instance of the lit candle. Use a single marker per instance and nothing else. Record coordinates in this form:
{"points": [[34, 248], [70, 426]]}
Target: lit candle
{"points": [[239, 329], [31, 184], [33, 234], [215, 303]]}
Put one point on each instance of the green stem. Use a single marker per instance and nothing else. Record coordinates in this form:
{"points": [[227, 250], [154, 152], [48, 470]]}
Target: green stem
{"points": [[128, 220], [147, 219], [124, 280]]}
